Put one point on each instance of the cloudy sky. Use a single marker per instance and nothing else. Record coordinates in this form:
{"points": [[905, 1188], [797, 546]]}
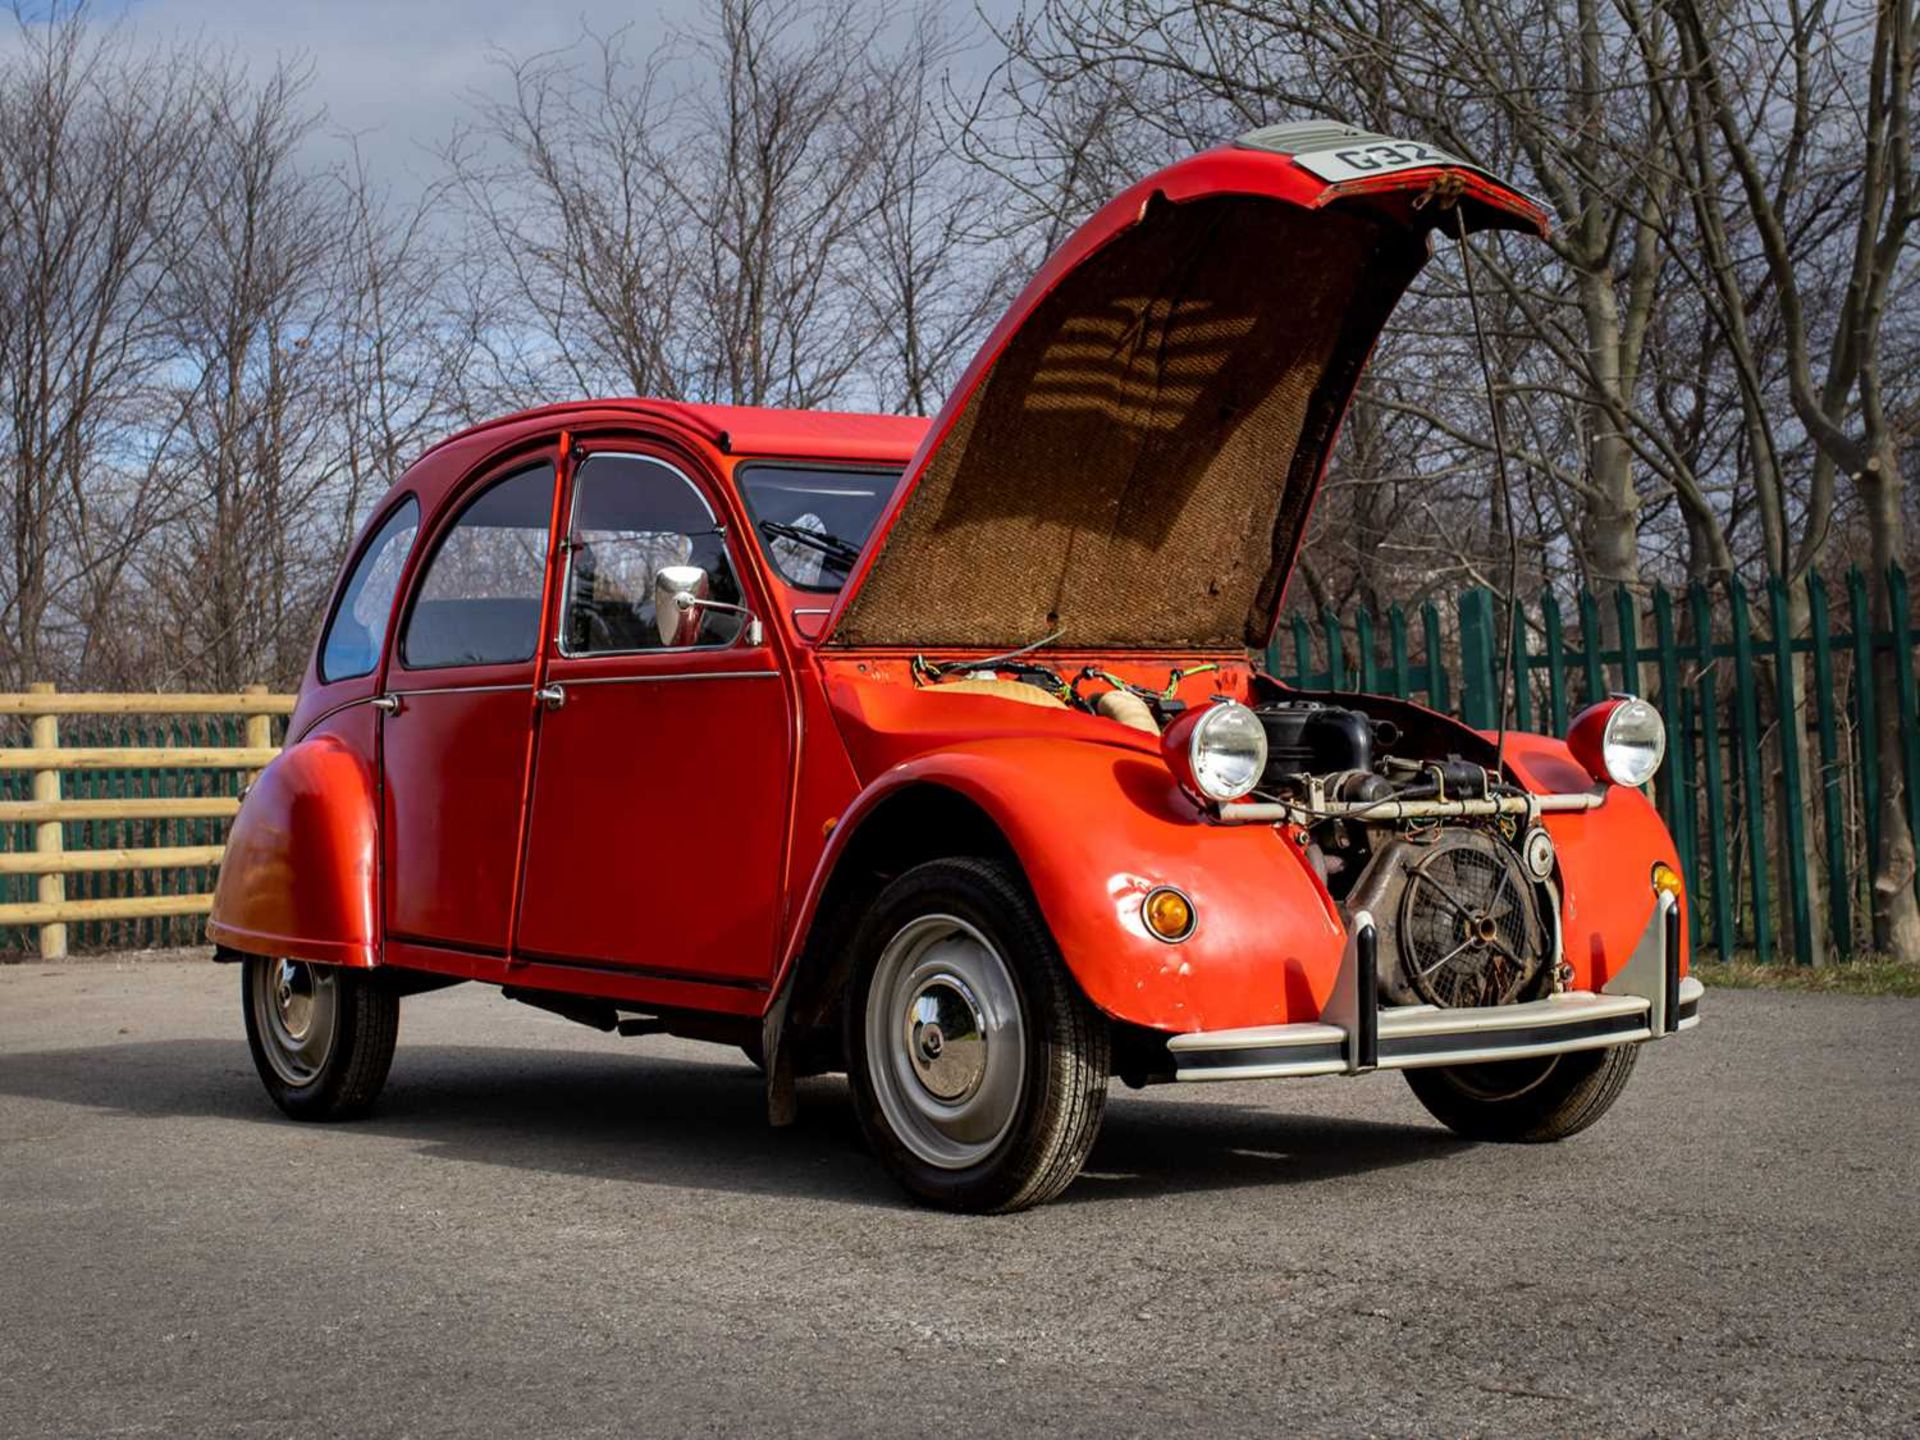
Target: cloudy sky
{"points": [[398, 72]]}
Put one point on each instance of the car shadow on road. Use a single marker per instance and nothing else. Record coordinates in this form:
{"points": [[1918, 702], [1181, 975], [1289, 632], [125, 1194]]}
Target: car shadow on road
{"points": [[662, 1120]]}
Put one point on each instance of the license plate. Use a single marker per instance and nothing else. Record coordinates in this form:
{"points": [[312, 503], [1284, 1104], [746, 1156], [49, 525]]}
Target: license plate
{"points": [[1365, 158]]}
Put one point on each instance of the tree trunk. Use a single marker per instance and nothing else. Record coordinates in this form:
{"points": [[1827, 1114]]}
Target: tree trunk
{"points": [[1896, 915]]}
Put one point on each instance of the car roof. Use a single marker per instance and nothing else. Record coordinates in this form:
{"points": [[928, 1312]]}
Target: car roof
{"points": [[740, 429]]}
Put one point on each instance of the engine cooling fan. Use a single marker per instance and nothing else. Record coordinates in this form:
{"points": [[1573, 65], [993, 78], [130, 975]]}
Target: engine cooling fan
{"points": [[1470, 930]]}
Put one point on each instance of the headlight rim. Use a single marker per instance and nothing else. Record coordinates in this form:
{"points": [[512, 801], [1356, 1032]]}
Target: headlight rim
{"points": [[1632, 705], [1221, 713], [1183, 746], [1592, 733]]}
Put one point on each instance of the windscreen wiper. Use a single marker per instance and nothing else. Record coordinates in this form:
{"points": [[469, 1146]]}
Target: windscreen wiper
{"points": [[831, 546]]}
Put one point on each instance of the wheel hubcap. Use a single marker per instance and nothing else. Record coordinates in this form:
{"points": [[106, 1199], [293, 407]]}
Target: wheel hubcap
{"points": [[947, 1038], [945, 1045], [296, 1012]]}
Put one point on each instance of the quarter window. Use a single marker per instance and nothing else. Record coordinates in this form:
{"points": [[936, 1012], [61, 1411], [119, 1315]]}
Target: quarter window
{"points": [[359, 625], [632, 517], [480, 601], [814, 523]]}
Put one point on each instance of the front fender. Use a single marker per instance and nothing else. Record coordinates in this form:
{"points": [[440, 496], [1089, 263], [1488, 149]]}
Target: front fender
{"points": [[1606, 859], [1095, 827], [300, 868]]}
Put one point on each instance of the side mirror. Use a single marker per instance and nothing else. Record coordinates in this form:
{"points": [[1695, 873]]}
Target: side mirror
{"points": [[680, 593]]}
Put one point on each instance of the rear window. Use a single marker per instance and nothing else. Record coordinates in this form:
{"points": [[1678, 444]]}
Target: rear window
{"points": [[814, 522], [480, 601], [359, 625]]}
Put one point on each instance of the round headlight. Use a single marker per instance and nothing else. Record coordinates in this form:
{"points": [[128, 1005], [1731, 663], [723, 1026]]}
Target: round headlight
{"points": [[1224, 751], [1622, 740], [1634, 744]]}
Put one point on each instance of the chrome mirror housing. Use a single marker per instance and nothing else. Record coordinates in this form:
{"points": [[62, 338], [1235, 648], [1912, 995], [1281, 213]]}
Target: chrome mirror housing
{"points": [[680, 593], [677, 593]]}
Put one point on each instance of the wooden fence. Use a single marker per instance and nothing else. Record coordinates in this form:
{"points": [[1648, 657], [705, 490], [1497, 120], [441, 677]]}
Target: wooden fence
{"points": [[126, 802], [1772, 780]]}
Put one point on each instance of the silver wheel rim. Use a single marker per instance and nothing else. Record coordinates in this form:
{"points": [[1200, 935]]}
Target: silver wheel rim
{"points": [[946, 1049], [296, 1012]]}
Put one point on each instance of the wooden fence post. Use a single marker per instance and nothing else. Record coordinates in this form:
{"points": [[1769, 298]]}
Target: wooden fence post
{"points": [[47, 835], [259, 726]]}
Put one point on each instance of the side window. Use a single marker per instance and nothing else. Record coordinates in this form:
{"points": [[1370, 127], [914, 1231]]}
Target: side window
{"points": [[632, 517], [359, 625], [480, 601]]}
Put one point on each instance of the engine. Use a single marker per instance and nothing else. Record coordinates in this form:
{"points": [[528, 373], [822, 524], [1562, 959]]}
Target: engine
{"points": [[1445, 856], [1461, 890]]}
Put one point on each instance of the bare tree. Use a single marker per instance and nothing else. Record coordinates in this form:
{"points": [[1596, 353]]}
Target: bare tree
{"points": [[1826, 137], [95, 151], [581, 272], [703, 222], [253, 267], [930, 274], [1549, 93]]}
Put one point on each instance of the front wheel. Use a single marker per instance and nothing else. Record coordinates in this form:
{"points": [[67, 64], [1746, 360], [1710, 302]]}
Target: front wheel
{"points": [[1531, 1101], [322, 1037], [979, 1070]]}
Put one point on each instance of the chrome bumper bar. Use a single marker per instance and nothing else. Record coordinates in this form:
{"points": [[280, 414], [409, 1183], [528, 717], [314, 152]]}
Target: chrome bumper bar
{"points": [[1355, 1033]]}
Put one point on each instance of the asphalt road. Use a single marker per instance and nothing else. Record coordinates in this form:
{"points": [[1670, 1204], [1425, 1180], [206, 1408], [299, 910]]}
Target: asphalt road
{"points": [[549, 1231]]}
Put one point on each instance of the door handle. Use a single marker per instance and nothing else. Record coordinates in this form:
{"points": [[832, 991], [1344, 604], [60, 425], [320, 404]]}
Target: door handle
{"points": [[551, 696], [386, 704]]}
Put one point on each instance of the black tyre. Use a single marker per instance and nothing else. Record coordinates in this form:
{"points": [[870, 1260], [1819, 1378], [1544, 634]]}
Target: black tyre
{"points": [[1526, 1102], [979, 1070], [322, 1037]]}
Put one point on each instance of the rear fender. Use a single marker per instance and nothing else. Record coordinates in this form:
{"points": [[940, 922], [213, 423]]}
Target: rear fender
{"points": [[1094, 828], [299, 875]]}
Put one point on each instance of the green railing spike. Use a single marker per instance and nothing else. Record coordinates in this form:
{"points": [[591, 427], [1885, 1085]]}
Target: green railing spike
{"points": [[1793, 813], [1753, 794], [1832, 803], [1397, 627], [1901, 615], [1591, 646], [1556, 662]]}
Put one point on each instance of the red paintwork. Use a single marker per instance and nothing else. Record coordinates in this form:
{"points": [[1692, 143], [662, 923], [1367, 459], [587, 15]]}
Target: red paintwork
{"points": [[298, 878], [632, 799], [1606, 860], [667, 845]]}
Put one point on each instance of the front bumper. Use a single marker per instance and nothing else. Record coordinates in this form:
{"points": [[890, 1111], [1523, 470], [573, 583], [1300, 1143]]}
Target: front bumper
{"points": [[1648, 999]]}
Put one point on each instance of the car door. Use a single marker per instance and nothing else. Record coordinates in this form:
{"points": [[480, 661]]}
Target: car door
{"points": [[660, 784], [457, 734]]}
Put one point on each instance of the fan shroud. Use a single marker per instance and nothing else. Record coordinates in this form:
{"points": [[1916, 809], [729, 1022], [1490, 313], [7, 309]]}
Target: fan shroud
{"points": [[1463, 923]]}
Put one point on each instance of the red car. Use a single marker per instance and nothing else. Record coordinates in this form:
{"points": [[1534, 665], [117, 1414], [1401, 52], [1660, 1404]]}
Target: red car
{"points": [[933, 753]]}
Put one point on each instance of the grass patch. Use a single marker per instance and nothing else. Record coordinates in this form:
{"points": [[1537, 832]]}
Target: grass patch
{"points": [[1868, 976]]}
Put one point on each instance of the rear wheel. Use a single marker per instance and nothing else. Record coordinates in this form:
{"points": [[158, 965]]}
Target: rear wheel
{"points": [[1545, 1098], [979, 1070], [322, 1037]]}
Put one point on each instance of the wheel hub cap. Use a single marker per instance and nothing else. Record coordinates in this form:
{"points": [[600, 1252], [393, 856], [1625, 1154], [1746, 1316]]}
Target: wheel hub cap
{"points": [[946, 1049], [296, 1013], [946, 1036]]}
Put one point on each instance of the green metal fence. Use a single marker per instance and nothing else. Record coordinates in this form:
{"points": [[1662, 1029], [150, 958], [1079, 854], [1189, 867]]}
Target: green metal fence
{"points": [[1772, 774]]}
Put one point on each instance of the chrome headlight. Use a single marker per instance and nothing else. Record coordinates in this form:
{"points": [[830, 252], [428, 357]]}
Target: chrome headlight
{"points": [[1224, 751], [1622, 740]]}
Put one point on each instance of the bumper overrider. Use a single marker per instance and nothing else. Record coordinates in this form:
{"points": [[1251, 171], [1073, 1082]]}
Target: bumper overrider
{"points": [[1647, 1000]]}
